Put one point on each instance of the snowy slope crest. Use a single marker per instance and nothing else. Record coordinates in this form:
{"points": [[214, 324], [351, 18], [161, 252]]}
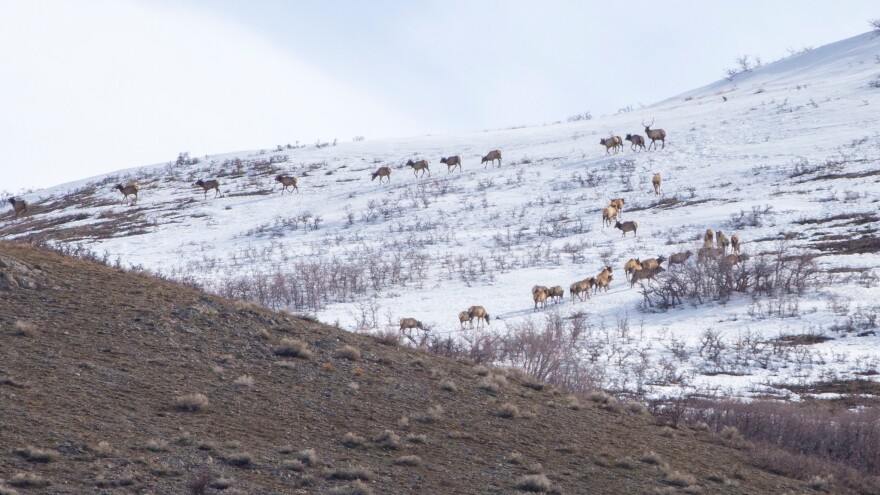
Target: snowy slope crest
{"points": [[787, 157]]}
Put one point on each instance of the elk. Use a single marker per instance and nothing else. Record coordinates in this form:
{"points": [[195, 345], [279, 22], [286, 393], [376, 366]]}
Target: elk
{"points": [[632, 265], [557, 293], [679, 258], [491, 157], [652, 263], [732, 259], [636, 140], [287, 181], [618, 204], [207, 185], [539, 295], [609, 213], [382, 172], [479, 313], [644, 274], [419, 165], [627, 227], [463, 317], [603, 279], [410, 323], [451, 162], [581, 288], [709, 238], [611, 142], [129, 190], [707, 253], [656, 182], [734, 243], [20, 206], [655, 134], [721, 241]]}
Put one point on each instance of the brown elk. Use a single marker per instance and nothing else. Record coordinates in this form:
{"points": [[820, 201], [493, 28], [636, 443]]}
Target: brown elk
{"points": [[539, 295], [581, 288], [679, 258], [637, 142], [709, 238], [20, 206], [451, 162], [491, 157], [129, 190], [287, 181], [207, 185], [557, 294], [734, 243], [463, 317], [613, 142], [603, 279], [410, 323], [655, 134], [645, 274], [632, 265], [609, 213], [627, 227], [656, 183], [479, 313], [382, 172], [653, 263], [617, 203], [419, 165], [721, 241]]}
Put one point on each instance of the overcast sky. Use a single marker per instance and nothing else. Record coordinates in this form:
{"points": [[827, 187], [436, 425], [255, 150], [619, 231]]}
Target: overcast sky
{"points": [[93, 86]]}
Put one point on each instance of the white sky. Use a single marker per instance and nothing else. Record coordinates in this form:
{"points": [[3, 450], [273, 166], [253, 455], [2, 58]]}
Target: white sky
{"points": [[93, 86]]}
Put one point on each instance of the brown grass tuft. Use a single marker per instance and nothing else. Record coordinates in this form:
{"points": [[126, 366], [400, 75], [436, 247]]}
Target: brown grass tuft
{"points": [[356, 488], [508, 410], [679, 479], [103, 449], [537, 483], [293, 348], [293, 465], [221, 484], [8, 491], [191, 402], [636, 408], [29, 480], [34, 454], [387, 440], [351, 440], [24, 329], [244, 381], [240, 459], [409, 460], [449, 386], [417, 438], [156, 446], [432, 415], [515, 458], [651, 458], [308, 456], [349, 352], [207, 445], [821, 483], [350, 473], [625, 463], [387, 337], [481, 370]]}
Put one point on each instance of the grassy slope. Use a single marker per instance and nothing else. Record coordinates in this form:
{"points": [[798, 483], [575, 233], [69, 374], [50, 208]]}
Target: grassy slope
{"points": [[109, 351]]}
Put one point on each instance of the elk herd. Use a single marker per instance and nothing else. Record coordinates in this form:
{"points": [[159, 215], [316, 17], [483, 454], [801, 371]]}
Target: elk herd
{"points": [[637, 142]]}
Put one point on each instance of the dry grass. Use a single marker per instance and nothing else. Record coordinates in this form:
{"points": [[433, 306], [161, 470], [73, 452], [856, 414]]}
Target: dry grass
{"points": [[574, 403], [244, 381], [240, 459], [508, 410], [417, 438], [432, 415], [678, 478], [356, 488], [103, 449], [537, 483], [651, 458], [387, 440], [23, 328], [293, 465], [293, 348], [625, 463], [220, 484], [409, 460], [29, 480], [821, 483], [351, 440], [599, 396], [515, 458], [481, 370], [449, 386], [387, 337], [308, 456], [350, 473], [34, 454], [191, 402], [636, 408], [156, 446], [8, 491], [493, 383], [349, 352], [207, 445]]}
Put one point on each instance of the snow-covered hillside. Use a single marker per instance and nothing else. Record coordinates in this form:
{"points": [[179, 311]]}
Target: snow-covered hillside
{"points": [[787, 157]]}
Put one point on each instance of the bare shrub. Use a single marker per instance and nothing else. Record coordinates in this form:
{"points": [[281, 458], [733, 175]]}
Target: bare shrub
{"points": [[432, 415], [636, 408], [449, 386], [308, 456], [409, 460], [156, 446], [191, 402], [821, 483], [349, 352], [651, 458], [352, 440], [387, 337], [8, 491], [293, 348], [537, 483], [199, 481], [293, 465], [515, 458], [625, 463], [221, 484], [103, 449], [417, 438], [678, 478], [508, 410]]}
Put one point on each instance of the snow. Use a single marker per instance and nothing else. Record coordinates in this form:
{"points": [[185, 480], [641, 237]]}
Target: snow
{"points": [[486, 235]]}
